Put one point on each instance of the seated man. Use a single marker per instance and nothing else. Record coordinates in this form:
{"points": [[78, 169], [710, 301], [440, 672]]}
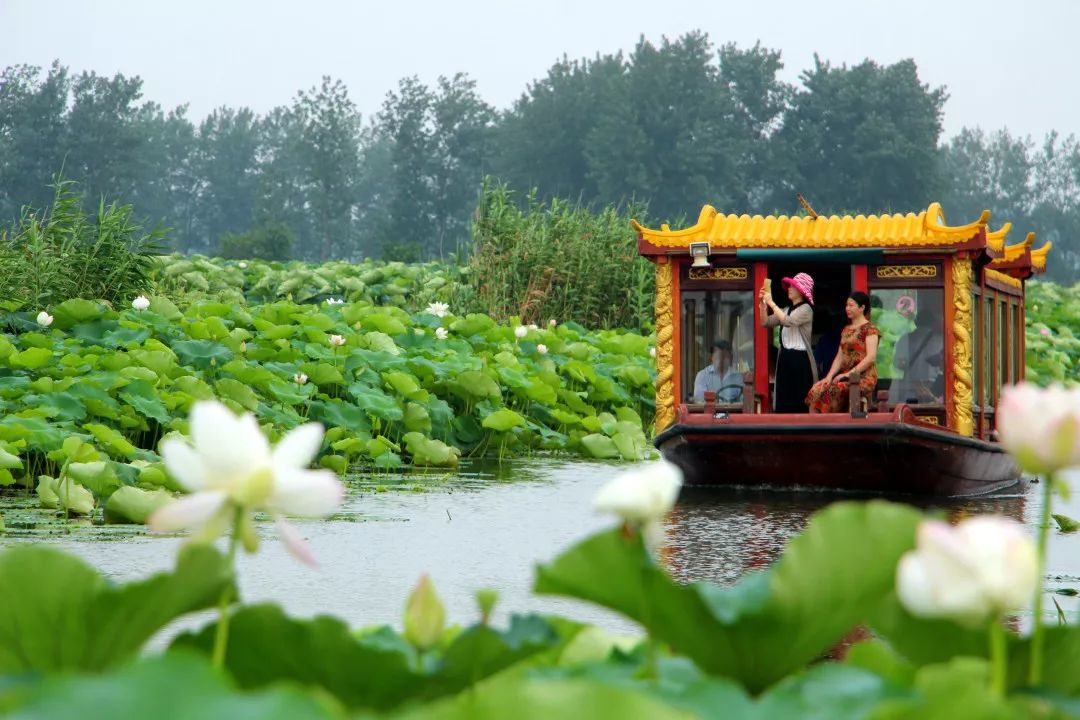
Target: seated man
{"points": [[920, 356], [721, 376]]}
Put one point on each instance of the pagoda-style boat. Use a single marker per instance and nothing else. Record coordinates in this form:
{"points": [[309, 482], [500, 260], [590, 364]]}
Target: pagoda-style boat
{"points": [[930, 433]]}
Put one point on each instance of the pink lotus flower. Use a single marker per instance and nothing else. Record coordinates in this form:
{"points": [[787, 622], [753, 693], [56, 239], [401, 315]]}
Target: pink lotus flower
{"points": [[1040, 427], [231, 468], [973, 572]]}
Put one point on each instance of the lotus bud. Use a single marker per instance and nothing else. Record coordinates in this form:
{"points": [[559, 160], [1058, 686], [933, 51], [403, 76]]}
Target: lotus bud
{"points": [[44, 319], [486, 599], [300, 379], [520, 331], [542, 349], [552, 322], [140, 303], [242, 265], [425, 616], [337, 340]]}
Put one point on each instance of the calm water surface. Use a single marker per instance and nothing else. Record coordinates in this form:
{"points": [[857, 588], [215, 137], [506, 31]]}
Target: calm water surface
{"points": [[488, 528]]}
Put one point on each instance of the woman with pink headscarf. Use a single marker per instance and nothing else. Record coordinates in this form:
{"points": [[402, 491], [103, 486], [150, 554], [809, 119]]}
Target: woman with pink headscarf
{"points": [[796, 370]]}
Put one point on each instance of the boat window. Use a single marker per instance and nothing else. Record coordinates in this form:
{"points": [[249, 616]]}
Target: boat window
{"points": [[1004, 338], [708, 317], [976, 349], [1016, 342], [911, 353]]}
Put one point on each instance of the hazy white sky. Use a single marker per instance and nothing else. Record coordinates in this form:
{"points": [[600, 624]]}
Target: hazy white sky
{"points": [[1004, 62]]}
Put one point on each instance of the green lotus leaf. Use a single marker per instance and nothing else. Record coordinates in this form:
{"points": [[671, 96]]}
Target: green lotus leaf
{"points": [[607, 423], [98, 476], [111, 440], [417, 418], [384, 324], [380, 342], [402, 383], [338, 463], [289, 392], [625, 414], [135, 505], [142, 397], [379, 445], [165, 308], [600, 446], [635, 375], [96, 332], [322, 374], [541, 393], [32, 358], [140, 373], [388, 461], [430, 453], [502, 420], [6, 348], [629, 446], [513, 378], [6, 478], [238, 392], [473, 384], [201, 353], [375, 402], [73, 497], [9, 461], [193, 386], [75, 311], [161, 362], [335, 413], [472, 324]]}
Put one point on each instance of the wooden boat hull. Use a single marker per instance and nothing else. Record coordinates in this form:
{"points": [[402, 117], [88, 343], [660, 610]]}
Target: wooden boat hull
{"points": [[877, 454]]}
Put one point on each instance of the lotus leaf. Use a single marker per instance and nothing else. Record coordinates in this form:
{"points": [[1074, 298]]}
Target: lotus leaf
{"points": [[32, 358], [9, 461], [473, 384], [140, 395], [402, 383], [75, 311], [132, 504], [503, 420], [201, 353], [380, 342], [430, 453], [417, 418], [375, 402], [600, 446], [111, 440], [165, 308]]}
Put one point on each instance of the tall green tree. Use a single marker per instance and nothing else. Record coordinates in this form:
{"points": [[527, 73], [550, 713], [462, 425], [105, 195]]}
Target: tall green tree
{"points": [[227, 170], [329, 146], [862, 138], [33, 113]]}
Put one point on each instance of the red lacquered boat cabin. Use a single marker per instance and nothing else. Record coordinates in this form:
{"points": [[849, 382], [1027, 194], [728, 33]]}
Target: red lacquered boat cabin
{"points": [[947, 300]]}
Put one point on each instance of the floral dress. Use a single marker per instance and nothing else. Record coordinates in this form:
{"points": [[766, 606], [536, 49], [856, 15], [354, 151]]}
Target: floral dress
{"points": [[833, 397]]}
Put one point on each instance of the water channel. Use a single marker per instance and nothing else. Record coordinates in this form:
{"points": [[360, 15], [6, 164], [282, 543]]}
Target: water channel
{"points": [[488, 527]]}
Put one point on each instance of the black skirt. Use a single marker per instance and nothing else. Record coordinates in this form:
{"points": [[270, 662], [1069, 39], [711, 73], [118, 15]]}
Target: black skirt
{"points": [[794, 377]]}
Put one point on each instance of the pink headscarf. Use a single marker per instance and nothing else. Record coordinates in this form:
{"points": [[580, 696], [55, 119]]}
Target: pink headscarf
{"points": [[803, 283]]}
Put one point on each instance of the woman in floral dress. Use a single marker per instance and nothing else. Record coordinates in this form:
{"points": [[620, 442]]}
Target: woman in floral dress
{"points": [[858, 351]]}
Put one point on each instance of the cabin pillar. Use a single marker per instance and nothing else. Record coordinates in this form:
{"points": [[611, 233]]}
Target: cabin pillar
{"points": [[666, 357], [960, 409]]}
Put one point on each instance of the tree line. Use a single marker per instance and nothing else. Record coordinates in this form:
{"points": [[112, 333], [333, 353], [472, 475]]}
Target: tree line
{"points": [[673, 125]]}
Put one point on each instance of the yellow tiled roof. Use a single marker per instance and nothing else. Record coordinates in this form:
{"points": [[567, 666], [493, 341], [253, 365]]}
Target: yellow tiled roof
{"points": [[926, 229]]}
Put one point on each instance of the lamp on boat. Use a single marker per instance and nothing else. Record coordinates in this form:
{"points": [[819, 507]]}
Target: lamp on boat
{"points": [[700, 252]]}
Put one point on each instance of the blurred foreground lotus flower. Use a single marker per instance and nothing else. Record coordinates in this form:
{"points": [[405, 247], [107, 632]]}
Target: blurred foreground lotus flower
{"points": [[441, 333], [438, 309], [425, 616], [542, 349], [336, 340], [300, 379], [44, 319], [232, 471], [642, 497], [534, 326], [1040, 427], [520, 331], [971, 573], [140, 303]]}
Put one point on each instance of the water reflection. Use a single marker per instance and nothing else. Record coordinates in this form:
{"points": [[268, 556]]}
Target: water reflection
{"points": [[719, 535]]}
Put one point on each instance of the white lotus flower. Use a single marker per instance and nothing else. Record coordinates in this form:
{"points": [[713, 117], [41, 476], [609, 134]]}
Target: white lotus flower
{"points": [[300, 379], [1040, 427], [652, 352], [336, 340], [335, 301], [521, 331], [231, 468], [972, 573], [642, 496], [242, 265], [441, 333], [534, 326], [542, 349], [552, 322], [140, 303], [438, 309], [44, 319]]}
